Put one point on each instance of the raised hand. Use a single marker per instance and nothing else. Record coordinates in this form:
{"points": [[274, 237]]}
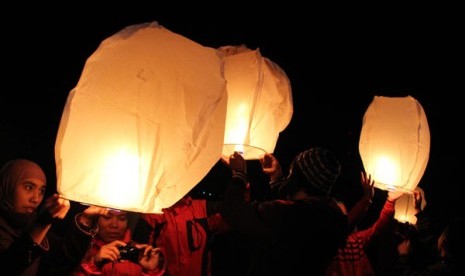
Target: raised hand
{"points": [[237, 163], [393, 196], [271, 166], [368, 185], [56, 206], [417, 201]]}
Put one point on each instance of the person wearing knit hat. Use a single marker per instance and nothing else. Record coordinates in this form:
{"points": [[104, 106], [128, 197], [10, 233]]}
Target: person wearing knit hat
{"points": [[318, 167], [314, 170], [300, 231]]}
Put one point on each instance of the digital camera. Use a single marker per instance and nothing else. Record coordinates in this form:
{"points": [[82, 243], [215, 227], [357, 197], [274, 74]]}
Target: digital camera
{"points": [[130, 253]]}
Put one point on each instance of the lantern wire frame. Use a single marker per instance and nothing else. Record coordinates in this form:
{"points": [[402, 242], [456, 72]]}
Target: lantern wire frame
{"points": [[392, 188], [247, 151]]}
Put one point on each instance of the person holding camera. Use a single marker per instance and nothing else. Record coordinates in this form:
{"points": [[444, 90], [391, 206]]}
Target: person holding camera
{"points": [[114, 253]]}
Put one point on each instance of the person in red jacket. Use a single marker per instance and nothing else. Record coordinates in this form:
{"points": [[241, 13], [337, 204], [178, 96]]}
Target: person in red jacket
{"points": [[352, 258], [114, 253], [183, 231]]}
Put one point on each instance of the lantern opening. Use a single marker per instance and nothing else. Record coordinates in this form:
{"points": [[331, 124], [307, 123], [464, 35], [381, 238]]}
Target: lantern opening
{"points": [[247, 151]]}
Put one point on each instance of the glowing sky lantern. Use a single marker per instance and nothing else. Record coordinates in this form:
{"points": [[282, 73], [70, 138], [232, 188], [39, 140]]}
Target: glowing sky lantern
{"points": [[259, 102], [145, 122], [405, 207], [395, 142]]}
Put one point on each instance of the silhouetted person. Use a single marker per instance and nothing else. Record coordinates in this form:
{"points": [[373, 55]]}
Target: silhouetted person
{"points": [[299, 233], [449, 253]]}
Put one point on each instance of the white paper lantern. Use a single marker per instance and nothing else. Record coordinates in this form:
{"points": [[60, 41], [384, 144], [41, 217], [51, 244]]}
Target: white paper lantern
{"points": [[259, 102], [405, 207], [145, 122], [395, 142]]}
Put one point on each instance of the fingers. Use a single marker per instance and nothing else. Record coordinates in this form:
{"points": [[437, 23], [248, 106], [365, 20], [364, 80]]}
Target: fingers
{"points": [[62, 208], [109, 252], [366, 179], [57, 207], [117, 243], [141, 245], [417, 195], [236, 154], [151, 250]]}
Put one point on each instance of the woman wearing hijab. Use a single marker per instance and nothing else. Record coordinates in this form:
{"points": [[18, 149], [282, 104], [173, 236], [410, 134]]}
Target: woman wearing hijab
{"points": [[26, 245]]}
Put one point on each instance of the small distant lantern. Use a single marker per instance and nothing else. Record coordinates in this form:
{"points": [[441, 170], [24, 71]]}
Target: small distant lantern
{"points": [[145, 122], [405, 207], [395, 142], [259, 102]]}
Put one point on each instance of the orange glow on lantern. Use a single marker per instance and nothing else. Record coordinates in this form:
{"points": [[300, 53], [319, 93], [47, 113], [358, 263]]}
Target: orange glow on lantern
{"points": [[405, 207], [259, 102], [395, 142], [145, 122]]}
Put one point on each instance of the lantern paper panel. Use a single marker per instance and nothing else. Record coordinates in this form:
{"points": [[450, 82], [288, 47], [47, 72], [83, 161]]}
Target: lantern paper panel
{"points": [[405, 207], [259, 102], [145, 122], [395, 142]]}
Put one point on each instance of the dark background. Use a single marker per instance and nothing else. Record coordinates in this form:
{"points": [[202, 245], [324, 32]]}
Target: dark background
{"points": [[336, 57]]}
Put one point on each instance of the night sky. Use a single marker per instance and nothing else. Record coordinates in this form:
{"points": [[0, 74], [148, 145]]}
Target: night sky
{"points": [[337, 60]]}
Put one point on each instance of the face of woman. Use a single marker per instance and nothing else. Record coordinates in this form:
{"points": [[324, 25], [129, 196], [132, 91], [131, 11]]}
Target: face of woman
{"points": [[112, 226], [29, 194]]}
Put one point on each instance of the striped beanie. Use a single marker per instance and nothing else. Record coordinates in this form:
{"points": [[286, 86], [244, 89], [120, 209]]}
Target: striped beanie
{"points": [[319, 167]]}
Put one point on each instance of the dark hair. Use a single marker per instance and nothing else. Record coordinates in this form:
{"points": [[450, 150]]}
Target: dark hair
{"points": [[405, 230]]}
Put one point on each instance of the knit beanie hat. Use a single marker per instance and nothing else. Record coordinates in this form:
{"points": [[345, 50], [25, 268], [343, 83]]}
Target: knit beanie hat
{"points": [[319, 167]]}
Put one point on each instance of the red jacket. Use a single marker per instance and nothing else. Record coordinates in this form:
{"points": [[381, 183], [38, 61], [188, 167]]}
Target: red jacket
{"points": [[89, 267], [182, 232], [352, 258]]}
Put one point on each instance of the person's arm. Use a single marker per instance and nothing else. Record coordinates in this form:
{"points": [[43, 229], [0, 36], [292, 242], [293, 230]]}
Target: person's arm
{"points": [[17, 254], [54, 208], [427, 243], [237, 212], [272, 168], [385, 218], [423, 223], [358, 211], [68, 251]]}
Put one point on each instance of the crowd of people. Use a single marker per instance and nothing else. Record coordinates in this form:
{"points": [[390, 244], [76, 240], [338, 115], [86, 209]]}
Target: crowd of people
{"points": [[299, 228]]}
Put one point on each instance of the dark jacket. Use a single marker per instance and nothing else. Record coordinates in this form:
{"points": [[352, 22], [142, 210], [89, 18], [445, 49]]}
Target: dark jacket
{"points": [[20, 255], [292, 237]]}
